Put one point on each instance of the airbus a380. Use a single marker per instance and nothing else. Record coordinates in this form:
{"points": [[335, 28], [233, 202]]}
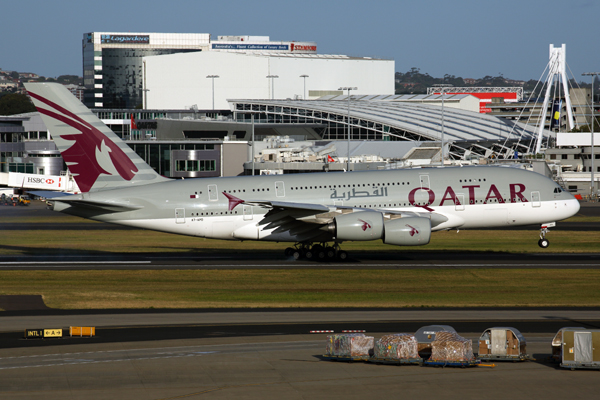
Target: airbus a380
{"points": [[316, 211]]}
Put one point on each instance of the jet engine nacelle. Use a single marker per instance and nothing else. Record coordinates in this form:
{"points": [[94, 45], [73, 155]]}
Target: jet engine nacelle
{"points": [[409, 231], [362, 225]]}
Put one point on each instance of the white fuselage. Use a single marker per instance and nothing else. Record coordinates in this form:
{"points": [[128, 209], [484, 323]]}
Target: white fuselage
{"points": [[489, 198]]}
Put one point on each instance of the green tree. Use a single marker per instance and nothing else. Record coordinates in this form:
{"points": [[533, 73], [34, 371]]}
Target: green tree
{"points": [[15, 103]]}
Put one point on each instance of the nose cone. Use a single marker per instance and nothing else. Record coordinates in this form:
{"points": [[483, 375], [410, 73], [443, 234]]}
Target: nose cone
{"points": [[567, 208], [574, 206]]}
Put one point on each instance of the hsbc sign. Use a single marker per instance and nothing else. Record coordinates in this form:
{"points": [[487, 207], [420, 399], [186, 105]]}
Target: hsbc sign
{"points": [[32, 181]]}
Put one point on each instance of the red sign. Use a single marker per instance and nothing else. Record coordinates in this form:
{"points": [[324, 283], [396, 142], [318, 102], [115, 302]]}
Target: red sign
{"points": [[302, 47]]}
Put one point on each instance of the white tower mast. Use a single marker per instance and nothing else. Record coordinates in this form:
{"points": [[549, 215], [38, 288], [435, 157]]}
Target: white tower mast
{"points": [[558, 68]]}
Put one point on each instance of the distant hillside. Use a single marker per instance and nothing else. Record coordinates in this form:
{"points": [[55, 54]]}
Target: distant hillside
{"points": [[415, 82]]}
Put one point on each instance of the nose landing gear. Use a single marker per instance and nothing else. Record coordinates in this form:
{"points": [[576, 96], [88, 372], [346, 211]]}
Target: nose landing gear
{"points": [[543, 242]]}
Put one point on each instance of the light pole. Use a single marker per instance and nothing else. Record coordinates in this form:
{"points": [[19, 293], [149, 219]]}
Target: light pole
{"points": [[443, 87], [272, 85], [213, 88], [304, 93], [252, 118], [592, 183], [145, 90], [348, 88]]}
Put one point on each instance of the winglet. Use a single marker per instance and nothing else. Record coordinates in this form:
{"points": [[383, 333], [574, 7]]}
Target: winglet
{"points": [[233, 201]]}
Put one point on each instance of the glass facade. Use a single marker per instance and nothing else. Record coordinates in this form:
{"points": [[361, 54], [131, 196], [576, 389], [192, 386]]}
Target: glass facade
{"points": [[113, 67]]}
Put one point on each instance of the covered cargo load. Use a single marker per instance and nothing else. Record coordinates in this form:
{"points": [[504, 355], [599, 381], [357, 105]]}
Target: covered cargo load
{"points": [[502, 343], [451, 347], [349, 345], [398, 346], [426, 335], [578, 348]]}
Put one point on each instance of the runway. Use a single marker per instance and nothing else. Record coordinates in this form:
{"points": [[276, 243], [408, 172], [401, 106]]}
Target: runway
{"points": [[275, 260], [269, 353]]}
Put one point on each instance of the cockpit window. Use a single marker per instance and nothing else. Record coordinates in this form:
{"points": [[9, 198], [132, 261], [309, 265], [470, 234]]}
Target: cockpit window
{"points": [[557, 190]]}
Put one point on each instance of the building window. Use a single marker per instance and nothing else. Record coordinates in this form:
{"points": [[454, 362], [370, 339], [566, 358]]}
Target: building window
{"points": [[195, 165], [564, 156]]}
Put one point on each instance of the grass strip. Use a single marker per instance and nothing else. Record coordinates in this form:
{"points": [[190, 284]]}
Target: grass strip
{"points": [[65, 242], [471, 287]]}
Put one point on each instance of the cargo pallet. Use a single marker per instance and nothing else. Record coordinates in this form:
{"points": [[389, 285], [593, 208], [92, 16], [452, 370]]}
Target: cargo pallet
{"points": [[489, 357], [573, 367], [345, 358], [397, 361], [461, 364]]}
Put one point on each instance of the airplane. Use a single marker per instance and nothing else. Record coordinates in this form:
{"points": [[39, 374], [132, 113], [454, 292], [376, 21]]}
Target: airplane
{"points": [[315, 211]]}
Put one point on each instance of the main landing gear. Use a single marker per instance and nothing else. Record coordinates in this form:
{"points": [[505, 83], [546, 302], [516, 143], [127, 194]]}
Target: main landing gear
{"points": [[543, 242], [317, 252]]}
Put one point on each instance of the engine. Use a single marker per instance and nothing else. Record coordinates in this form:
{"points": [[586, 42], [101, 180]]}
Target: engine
{"points": [[362, 225], [370, 225], [410, 231]]}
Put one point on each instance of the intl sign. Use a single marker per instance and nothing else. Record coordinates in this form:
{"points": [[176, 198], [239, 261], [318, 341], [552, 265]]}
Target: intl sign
{"points": [[43, 333]]}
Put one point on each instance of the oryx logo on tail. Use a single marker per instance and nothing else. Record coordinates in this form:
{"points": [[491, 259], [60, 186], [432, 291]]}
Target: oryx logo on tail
{"points": [[92, 152]]}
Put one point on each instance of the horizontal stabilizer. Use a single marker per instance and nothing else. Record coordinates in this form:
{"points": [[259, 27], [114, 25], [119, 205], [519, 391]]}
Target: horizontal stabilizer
{"points": [[48, 193], [97, 205]]}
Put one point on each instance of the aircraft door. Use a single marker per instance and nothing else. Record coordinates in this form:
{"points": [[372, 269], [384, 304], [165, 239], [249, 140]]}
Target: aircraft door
{"points": [[213, 194], [460, 205], [535, 199], [424, 181], [583, 347], [180, 215], [248, 215], [279, 189]]}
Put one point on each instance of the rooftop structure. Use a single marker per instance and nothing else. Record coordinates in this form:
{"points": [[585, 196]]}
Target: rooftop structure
{"points": [[468, 133]]}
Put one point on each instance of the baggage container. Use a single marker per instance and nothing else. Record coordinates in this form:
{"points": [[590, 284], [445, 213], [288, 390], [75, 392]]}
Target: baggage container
{"points": [[502, 343], [577, 348]]}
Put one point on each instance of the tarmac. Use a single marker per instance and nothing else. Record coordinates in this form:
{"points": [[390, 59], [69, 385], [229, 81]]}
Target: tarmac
{"points": [[268, 354]]}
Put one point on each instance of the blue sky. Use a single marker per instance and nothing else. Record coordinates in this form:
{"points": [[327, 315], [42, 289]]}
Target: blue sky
{"points": [[467, 38]]}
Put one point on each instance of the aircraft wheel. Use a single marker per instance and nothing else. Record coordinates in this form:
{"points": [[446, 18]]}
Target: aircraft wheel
{"points": [[330, 253], [309, 254], [543, 243], [342, 255], [297, 254], [321, 255], [289, 251]]}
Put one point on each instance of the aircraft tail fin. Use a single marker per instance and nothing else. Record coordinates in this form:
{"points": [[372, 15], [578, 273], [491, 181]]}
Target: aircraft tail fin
{"points": [[97, 158]]}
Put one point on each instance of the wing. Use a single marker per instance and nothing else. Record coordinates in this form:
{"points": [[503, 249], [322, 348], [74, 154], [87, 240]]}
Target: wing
{"points": [[309, 221]]}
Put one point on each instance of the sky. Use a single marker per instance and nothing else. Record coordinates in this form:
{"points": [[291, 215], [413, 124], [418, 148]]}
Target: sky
{"points": [[465, 38]]}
